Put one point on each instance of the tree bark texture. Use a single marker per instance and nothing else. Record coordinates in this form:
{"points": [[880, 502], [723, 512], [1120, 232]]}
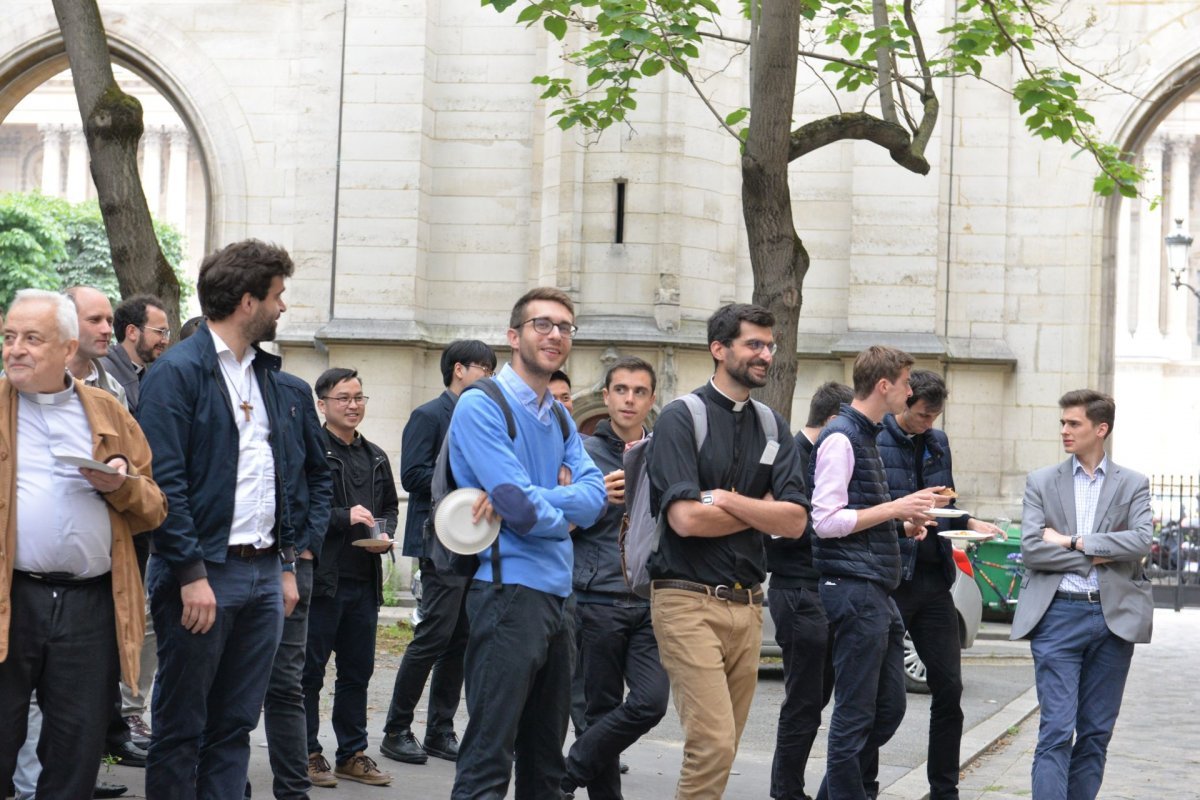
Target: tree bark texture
{"points": [[112, 122], [777, 255]]}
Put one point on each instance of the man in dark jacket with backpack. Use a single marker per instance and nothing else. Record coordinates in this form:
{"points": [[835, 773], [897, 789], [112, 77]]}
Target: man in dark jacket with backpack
{"points": [[441, 638], [617, 644], [916, 455], [718, 494], [347, 583]]}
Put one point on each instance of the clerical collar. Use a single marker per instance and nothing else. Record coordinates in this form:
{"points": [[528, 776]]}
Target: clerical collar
{"points": [[738, 405], [93, 377], [52, 398]]}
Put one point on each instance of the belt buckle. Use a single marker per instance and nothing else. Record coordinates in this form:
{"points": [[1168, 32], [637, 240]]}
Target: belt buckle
{"points": [[723, 592], [1093, 595]]}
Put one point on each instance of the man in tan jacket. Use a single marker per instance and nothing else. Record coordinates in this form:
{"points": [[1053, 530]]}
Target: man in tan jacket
{"points": [[71, 613]]}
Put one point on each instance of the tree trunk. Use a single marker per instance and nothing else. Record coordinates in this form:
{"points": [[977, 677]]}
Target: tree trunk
{"points": [[777, 256], [112, 121]]}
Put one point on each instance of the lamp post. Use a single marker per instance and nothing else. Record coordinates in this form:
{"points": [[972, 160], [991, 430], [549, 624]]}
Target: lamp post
{"points": [[1178, 245]]}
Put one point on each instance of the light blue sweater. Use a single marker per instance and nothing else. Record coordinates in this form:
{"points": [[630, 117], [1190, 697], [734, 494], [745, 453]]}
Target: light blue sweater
{"points": [[521, 478]]}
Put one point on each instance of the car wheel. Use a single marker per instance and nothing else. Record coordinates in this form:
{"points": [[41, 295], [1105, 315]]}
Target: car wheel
{"points": [[914, 669]]}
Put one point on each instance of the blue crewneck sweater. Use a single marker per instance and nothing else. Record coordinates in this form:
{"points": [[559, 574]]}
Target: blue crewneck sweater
{"points": [[521, 478]]}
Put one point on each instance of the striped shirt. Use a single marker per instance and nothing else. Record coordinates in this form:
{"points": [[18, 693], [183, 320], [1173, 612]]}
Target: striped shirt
{"points": [[1087, 493]]}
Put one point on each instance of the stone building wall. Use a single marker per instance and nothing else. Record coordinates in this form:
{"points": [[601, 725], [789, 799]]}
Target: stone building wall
{"points": [[399, 151]]}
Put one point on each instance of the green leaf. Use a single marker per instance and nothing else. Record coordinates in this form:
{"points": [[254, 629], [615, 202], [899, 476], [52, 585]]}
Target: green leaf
{"points": [[636, 35], [557, 26], [652, 67], [737, 116], [851, 41], [531, 13]]}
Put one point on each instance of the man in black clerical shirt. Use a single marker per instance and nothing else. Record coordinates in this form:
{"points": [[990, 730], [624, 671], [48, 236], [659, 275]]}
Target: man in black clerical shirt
{"points": [[719, 500]]}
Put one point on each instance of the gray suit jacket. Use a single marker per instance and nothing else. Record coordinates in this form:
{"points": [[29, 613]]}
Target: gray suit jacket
{"points": [[1123, 528]]}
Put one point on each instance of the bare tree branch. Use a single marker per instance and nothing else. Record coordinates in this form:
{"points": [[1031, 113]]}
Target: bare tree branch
{"points": [[859, 125], [883, 63]]}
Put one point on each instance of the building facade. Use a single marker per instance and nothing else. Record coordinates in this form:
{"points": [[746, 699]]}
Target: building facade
{"points": [[399, 151]]}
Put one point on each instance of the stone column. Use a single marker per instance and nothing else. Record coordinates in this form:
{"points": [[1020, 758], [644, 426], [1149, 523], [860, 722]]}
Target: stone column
{"points": [[1179, 300], [51, 160], [152, 168], [177, 174], [1122, 285], [1148, 334], [77, 165]]}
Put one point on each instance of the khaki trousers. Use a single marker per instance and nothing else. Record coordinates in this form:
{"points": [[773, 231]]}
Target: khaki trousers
{"points": [[710, 650]]}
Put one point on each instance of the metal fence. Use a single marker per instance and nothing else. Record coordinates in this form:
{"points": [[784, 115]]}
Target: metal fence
{"points": [[1174, 561]]}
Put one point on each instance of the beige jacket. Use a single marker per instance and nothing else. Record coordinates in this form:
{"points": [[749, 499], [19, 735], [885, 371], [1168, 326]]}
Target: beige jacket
{"points": [[138, 506]]}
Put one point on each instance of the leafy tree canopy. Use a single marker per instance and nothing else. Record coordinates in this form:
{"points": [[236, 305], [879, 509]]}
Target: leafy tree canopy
{"points": [[49, 243]]}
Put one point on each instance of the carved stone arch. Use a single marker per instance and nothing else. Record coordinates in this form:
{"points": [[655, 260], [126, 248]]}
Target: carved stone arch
{"points": [[32, 51], [590, 409]]}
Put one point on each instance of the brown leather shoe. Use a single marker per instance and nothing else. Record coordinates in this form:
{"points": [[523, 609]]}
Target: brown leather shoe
{"points": [[319, 773], [363, 769]]}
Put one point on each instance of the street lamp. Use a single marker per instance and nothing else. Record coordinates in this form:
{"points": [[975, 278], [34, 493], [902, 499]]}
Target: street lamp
{"points": [[1178, 244]]}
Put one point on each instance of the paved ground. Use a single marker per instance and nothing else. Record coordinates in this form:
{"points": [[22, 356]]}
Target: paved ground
{"points": [[1154, 753]]}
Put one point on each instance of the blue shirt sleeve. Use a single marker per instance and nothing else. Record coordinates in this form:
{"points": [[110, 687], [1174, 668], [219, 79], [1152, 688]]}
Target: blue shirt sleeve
{"points": [[483, 456]]}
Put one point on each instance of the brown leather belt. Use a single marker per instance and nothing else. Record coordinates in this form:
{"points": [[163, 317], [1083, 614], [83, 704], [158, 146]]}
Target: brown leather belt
{"points": [[746, 597], [250, 551]]}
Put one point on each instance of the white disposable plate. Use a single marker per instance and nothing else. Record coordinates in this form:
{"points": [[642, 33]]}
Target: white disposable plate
{"points": [[452, 522], [945, 512], [89, 463], [369, 542], [966, 536]]}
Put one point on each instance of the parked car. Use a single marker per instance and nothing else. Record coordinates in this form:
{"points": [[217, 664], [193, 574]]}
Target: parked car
{"points": [[967, 601]]}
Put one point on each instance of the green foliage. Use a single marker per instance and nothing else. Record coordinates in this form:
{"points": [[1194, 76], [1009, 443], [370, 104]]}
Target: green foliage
{"points": [[48, 243], [626, 41]]}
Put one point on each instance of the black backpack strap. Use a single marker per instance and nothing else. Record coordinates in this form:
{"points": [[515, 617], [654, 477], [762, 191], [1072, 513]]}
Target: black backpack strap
{"points": [[560, 414]]}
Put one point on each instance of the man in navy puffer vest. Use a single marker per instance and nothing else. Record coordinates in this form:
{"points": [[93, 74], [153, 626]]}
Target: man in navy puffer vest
{"points": [[916, 455], [857, 553]]}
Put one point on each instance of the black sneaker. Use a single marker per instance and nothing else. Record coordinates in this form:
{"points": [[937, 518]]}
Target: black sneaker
{"points": [[442, 745], [403, 746]]}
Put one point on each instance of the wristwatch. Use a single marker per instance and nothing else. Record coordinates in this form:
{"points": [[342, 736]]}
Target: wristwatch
{"points": [[1074, 542], [706, 498], [287, 557]]}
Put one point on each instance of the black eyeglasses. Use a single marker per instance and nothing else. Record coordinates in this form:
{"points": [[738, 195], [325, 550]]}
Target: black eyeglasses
{"points": [[487, 371], [345, 400], [544, 325]]}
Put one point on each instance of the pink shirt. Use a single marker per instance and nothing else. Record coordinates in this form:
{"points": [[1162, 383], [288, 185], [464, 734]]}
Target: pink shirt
{"points": [[831, 478]]}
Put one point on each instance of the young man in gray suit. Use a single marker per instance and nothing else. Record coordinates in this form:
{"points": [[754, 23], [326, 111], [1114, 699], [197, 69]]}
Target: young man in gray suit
{"points": [[1085, 529]]}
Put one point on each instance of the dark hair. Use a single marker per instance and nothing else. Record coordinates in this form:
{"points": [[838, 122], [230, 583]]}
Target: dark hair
{"points": [[133, 312], [878, 362], [726, 322], [1098, 407], [633, 364], [332, 377], [540, 293], [927, 385], [826, 401], [246, 266], [559, 375], [465, 352], [189, 327]]}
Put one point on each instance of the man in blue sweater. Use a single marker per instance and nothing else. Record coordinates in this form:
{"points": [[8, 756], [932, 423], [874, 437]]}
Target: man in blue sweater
{"points": [[518, 661]]}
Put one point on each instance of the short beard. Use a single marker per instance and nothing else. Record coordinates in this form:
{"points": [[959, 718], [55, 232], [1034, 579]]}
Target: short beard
{"points": [[146, 354], [261, 331], [742, 374]]}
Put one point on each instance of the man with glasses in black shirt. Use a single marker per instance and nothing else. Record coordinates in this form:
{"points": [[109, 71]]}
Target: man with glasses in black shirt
{"points": [[718, 501], [440, 640]]}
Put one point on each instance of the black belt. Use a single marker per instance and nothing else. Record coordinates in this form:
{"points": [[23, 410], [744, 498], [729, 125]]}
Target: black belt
{"points": [[61, 578], [752, 596], [250, 551], [1090, 596]]}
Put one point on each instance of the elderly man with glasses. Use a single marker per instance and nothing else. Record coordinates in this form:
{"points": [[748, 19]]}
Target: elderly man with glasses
{"points": [[441, 638]]}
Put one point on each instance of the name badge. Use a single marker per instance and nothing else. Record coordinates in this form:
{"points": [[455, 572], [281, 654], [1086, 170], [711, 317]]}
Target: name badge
{"points": [[768, 454]]}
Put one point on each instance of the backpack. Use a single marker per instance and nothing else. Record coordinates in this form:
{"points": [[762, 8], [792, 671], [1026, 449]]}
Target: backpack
{"points": [[445, 561], [641, 531]]}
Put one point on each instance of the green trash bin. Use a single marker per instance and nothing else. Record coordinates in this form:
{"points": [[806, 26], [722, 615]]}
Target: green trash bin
{"points": [[998, 576]]}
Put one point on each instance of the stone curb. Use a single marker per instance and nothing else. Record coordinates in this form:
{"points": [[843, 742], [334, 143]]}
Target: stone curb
{"points": [[914, 785]]}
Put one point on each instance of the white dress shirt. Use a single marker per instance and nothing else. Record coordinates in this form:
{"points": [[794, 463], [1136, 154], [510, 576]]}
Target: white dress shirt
{"points": [[254, 500]]}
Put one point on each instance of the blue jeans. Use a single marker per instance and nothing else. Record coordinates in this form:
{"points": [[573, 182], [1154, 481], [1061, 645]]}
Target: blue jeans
{"points": [[344, 624], [283, 711], [868, 668], [1080, 668], [210, 687], [518, 678]]}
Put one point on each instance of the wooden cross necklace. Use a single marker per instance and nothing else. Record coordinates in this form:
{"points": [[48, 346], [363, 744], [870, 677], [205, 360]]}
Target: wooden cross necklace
{"points": [[246, 406]]}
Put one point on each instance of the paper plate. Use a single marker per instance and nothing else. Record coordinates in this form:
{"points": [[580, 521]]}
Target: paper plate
{"points": [[368, 542], [452, 522], [966, 536], [945, 512]]}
